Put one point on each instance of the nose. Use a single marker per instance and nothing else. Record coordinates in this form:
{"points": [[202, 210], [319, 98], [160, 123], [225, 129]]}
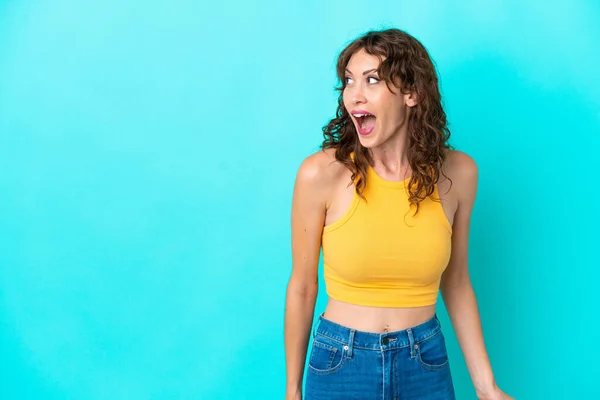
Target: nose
{"points": [[357, 96]]}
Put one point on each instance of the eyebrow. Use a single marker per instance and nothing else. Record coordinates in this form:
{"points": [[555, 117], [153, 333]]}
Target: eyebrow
{"points": [[364, 73]]}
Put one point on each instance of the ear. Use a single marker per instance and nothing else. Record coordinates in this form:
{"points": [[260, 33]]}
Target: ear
{"points": [[410, 99]]}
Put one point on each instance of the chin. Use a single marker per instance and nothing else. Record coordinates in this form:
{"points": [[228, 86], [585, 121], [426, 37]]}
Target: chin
{"points": [[368, 142]]}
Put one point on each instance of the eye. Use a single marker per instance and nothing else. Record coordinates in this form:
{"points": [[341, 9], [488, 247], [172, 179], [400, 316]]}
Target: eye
{"points": [[347, 79], [372, 79]]}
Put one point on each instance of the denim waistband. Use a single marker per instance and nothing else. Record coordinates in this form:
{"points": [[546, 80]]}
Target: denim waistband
{"points": [[377, 341]]}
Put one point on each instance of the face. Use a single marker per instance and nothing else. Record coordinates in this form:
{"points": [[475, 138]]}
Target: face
{"points": [[379, 115]]}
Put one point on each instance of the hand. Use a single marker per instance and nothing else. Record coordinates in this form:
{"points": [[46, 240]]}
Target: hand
{"points": [[494, 394]]}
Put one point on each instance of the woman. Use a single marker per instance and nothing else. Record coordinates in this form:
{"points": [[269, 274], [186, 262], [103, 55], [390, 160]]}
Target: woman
{"points": [[389, 202]]}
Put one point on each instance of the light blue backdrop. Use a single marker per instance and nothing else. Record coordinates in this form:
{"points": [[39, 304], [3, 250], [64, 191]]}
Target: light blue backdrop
{"points": [[147, 157]]}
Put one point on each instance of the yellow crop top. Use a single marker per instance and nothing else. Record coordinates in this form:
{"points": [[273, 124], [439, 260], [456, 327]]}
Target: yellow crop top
{"points": [[380, 254]]}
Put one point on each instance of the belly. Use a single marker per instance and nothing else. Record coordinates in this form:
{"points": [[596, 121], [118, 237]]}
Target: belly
{"points": [[376, 319]]}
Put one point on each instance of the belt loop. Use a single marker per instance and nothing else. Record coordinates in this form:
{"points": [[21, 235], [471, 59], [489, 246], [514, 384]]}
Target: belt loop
{"points": [[411, 342], [350, 343]]}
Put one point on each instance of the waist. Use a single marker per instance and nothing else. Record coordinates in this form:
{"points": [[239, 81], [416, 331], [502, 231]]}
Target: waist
{"points": [[373, 340], [376, 319]]}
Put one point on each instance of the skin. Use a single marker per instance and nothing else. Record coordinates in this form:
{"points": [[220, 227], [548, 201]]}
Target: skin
{"points": [[323, 193]]}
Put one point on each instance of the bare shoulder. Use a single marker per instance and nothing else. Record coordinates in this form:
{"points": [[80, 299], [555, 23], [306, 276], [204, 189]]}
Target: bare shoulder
{"points": [[460, 165], [320, 170], [462, 169]]}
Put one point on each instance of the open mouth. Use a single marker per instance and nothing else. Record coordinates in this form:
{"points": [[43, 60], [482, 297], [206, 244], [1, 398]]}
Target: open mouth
{"points": [[365, 122]]}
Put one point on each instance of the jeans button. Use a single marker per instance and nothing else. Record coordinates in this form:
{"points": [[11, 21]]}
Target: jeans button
{"points": [[386, 340]]}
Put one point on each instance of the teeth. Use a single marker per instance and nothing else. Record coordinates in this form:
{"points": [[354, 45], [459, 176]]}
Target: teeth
{"points": [[362, 115]]}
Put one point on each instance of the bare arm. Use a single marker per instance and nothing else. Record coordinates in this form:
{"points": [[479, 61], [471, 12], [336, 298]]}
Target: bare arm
{"points": [[456, 287], [308, 215]]}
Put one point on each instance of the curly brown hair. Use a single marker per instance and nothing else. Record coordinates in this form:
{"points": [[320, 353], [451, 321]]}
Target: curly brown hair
{"points": [[402, 58]]}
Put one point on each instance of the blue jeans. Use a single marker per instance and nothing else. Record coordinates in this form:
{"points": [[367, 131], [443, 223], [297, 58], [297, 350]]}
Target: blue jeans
{"points": [[348, 364]]}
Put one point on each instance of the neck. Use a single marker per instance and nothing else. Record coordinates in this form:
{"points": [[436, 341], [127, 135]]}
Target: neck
{"points": [[392, 156]]}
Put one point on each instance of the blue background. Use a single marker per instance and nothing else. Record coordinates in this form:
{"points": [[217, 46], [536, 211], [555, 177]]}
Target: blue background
{"points": [[147, 157]]}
